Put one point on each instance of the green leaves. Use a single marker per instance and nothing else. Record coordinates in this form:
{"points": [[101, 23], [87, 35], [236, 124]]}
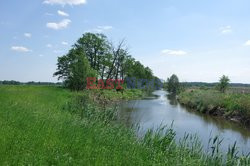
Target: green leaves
{"points": [[94, 56], [173, 85], [224, 84], [74, 68]]}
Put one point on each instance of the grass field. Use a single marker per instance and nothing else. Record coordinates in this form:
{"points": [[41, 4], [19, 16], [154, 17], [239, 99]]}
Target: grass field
{"points": [[239, 90], [45, 125], [234, 106]]}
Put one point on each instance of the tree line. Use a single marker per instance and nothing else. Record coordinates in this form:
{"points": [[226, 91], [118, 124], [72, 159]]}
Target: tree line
{"points": [[173, 86], [13, 82], [93, 55]]}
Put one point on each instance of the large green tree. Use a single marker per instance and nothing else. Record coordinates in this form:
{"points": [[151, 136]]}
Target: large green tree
{"points": [[95, 52], [173, 84], [98, 51], [74, 68], [111, 62]]}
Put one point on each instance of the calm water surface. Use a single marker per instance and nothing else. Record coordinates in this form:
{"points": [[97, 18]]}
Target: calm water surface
{"points": [[160, 109]]}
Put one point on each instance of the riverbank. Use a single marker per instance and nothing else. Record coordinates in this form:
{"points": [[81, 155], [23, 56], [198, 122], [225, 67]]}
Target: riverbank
{"points": [[46, 125], [107, 97], [231, 106]]}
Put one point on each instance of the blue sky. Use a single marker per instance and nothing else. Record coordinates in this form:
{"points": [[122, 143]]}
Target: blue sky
{"points": [[197, 40]]}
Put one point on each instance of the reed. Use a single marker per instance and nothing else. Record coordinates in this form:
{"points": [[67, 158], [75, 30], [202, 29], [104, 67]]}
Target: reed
{"points": [[43, 125]]}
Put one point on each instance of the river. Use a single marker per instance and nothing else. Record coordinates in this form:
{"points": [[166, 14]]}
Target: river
{"points": [[161, 109]]}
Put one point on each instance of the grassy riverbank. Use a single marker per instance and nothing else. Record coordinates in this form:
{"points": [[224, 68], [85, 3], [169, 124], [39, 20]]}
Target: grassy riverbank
{"points": [[233, 106], [45, 125], [109, 96]]}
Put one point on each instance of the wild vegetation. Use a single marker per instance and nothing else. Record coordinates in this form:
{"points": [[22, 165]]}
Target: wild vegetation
{"points": [[50, 125], [94, 56], [46, 125], [173, 85], [213, 100], [223, 84], [232, 106]]}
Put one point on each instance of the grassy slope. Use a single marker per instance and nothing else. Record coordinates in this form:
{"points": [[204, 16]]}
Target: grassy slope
{"points": [[232, 106], [40, 127], [36, 129]]}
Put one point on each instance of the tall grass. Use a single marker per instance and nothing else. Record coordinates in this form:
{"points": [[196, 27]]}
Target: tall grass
{"points": [[43, 125], [229, 105]]}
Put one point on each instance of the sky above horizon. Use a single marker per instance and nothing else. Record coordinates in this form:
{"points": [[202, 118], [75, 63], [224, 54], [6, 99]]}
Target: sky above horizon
{"points": [[197, 40]]}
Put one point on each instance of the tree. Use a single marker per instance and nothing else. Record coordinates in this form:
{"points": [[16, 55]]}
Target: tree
{"points": [[97, 50], [73, 69], [173, 85], [223, 84], [118, 55]]}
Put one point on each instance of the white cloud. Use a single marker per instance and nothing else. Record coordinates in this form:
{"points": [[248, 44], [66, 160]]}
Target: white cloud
{"points": [[247, 43], [20, 49], [64, 43], [173, 52], [62, 13], [226, 29], [28, 35], [65, 2], [49, 45], [60, 25], [101, 29]]}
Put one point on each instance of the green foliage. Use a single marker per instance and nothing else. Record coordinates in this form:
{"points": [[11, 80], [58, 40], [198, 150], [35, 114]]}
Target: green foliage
{"points": [[223, 84], [112, 95], [74, 69], [39, 127], [137, 70], [108, 61], [97, 49], [173, 85], [45, 125], [214, 102], [12, 82]]}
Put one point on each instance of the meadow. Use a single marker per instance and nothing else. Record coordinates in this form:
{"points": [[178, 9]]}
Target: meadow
{"points": [[233, 105], [48, 125]]}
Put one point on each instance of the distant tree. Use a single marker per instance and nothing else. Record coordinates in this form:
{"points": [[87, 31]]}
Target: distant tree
{"points": [[173, 85], [12, 82], [223, 84], [158, 83], [73, 69]]}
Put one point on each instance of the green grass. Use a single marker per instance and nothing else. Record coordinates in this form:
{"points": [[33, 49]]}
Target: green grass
{"points": [[229, 105], [112, 95], [45, 125]]}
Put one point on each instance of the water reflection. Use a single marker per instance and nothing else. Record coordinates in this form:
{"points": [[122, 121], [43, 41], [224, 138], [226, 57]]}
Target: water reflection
{"points": [[162, 109], [172, 99]]}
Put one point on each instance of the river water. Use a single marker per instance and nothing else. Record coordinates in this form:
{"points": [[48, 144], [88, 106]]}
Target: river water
{"points": [[161, 109]]}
